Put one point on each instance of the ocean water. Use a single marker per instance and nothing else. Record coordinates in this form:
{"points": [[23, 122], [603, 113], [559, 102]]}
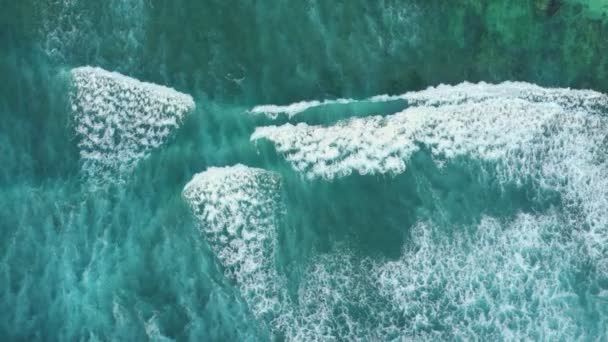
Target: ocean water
{"points": [[303, 170]]}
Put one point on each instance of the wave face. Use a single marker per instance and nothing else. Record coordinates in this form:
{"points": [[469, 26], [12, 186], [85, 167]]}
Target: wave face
{"points": [[119, 120]]}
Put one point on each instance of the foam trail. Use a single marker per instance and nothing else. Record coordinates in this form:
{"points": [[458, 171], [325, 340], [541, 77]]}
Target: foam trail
{"points": [[237, 209], [273, 111], [119, 120]]}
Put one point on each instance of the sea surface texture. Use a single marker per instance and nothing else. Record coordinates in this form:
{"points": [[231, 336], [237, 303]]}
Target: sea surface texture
{"points": [[214, 170]]}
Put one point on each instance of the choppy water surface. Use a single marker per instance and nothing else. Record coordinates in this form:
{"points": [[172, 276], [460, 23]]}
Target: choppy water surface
{"points": [[304, 170]]}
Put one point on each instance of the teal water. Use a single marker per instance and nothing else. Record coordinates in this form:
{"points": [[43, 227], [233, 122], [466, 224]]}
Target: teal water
{"points": [[484, 220]]}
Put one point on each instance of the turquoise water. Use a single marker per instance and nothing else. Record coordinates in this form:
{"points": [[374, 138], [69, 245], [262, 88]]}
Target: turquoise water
{"points": [[483, 219]]}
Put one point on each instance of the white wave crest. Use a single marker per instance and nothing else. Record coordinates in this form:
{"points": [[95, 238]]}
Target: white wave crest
{"points": [[273, 111], [119, 120]]}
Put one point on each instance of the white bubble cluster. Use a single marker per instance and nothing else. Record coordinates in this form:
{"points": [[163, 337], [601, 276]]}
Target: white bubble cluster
{"points": [[338, 299], [512, 279], [237, 209], [507, 279], [119, 120]]}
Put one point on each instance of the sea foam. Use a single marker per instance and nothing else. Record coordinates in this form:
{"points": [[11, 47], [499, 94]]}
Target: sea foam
{"points": [[238, 209], [467, 92], [118, 120], [501, 279]]}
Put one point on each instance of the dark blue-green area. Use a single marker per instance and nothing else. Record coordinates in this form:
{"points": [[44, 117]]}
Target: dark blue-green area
{"points": [[128, 263]]}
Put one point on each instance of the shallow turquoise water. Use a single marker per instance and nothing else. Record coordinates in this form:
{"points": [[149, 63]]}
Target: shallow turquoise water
{"points": [[449, 250]]}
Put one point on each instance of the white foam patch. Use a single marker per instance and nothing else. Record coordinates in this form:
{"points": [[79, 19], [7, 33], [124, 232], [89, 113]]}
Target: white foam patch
{"points": [[237, 208], [504, 280], [119, 120], [273, 111], [510, 281]]}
